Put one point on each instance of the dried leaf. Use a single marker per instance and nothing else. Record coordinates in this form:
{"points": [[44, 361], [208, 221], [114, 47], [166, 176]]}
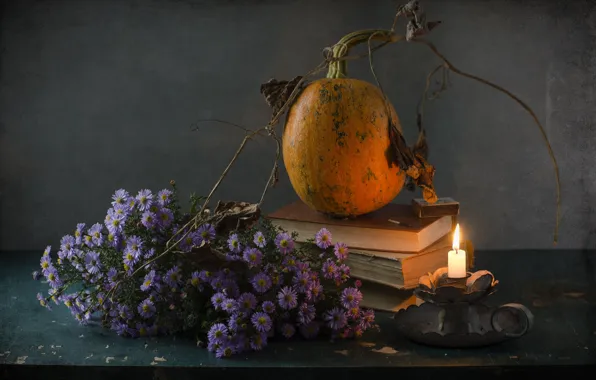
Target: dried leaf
{"points": [[574, 294], [230, 216], [367, 344], [277, 92], [386, 350], [342, 352], [21, 360]]}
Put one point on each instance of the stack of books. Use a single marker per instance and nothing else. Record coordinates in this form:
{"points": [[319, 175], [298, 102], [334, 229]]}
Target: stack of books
{"points": [[389, 249]]}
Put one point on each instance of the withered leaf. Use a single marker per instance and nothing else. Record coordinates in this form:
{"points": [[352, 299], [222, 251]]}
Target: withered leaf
{"points": [[277, 92]]}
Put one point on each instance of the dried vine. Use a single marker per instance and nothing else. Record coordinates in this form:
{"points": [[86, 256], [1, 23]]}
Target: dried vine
{"points": [[281, 94]]}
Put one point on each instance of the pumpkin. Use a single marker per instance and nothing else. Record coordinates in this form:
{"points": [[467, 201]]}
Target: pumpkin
{"points": [[334, 144]]}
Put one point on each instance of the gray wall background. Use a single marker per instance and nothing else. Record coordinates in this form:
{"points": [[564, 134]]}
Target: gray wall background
{"points": [[98, 95]]}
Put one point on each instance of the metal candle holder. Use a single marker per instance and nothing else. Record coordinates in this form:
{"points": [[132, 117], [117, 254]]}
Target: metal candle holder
{"points": [[453, 313]]}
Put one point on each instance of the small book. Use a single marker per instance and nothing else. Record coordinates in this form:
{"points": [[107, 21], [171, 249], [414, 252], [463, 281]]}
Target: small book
{"points": [[442, 207], [393, 228]]}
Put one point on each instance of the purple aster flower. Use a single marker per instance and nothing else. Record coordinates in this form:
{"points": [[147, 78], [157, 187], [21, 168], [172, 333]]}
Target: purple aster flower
{"points": [[120, 197], [36, 275], [130, 258], [52, 277], [165, 217], [45, 263], [78, 234], [268, 307], [120, 328], [205, 275], [310, 330], [115, 223], [343, 273], [306, 313], [315, 293], [284, 243], [164, 197], [124, 312], [148, 281], [247, 301], [195, 279], [234, 243], [122, 210], [329, 269], [229, 305], [217, 333], [217, 300], [287, 298], [95, 233], [341, 251], [350, 298], [144, 199], [302, 267], [93, 264], [302, 281], [261, 321], [67, 243], [46, 252], [149, 219], [367, 319], [323, 238], [226, 350], [336, 318], [173, 277], [43, 302], [88, 241], [112, 272], [253, 257], [289, 263], [259, 239], [288, 330], [205, 233], [146, 309], [236, 322], [142, 329], [154, 208], [134, 244], [258, 341], [261, 282], [149, 254], [187, 242]]}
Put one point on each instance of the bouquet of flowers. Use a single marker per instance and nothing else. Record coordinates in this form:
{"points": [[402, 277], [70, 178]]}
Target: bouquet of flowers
{"points": [[232, 291]]}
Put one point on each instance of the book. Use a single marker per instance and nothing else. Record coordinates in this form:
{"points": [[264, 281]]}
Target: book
{"points": [[402, 270], [385, 298], [393, 228], [442, 207]]}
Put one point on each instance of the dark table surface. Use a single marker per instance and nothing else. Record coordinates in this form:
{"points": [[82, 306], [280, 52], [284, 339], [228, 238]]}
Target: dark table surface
{"points": [[558, 286]]}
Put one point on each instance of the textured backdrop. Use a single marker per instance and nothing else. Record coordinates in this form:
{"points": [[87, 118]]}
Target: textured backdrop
{"points": [[98, 95]]}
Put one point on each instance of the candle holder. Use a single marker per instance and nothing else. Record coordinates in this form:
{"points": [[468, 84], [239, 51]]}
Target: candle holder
{"points": [[453, 314]]}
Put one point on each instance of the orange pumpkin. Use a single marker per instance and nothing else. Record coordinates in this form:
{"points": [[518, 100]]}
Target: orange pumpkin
{"points": [[334, 145]]}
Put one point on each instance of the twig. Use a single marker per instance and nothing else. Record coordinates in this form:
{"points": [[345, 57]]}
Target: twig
{"points": [[420, 116]]}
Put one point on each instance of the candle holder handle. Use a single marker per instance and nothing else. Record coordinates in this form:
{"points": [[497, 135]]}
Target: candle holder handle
{"points": [[512, 319]]}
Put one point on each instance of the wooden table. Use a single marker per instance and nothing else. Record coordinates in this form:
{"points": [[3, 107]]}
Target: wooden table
{"points": [[558, 286]]}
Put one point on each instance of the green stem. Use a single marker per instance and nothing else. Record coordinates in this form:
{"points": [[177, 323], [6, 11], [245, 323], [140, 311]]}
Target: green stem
{"points": [[338, 67]]}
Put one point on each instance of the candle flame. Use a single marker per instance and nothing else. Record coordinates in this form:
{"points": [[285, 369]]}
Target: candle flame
{"points": [[456, 238]]}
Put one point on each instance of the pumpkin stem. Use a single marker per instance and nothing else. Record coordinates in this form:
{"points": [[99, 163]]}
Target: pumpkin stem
{"points": [[338, 66]]}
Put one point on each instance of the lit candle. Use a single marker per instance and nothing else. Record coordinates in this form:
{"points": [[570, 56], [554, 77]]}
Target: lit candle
{"points": [[456, 258]]}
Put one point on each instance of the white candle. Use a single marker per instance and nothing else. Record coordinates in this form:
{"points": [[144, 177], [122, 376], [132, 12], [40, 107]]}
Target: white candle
{"points": [[456, 258]]}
